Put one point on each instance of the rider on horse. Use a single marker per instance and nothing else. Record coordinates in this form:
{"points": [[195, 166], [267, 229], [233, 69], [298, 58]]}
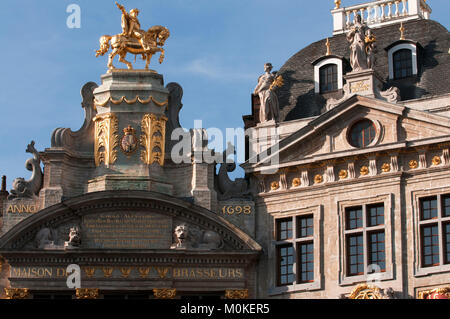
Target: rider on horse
{"points": [[131, 28]]}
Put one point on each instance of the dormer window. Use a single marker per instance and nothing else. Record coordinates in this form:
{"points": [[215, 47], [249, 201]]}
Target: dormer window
{"points": [[328, 74], [403, 59], [328, 78], [402, 63]]}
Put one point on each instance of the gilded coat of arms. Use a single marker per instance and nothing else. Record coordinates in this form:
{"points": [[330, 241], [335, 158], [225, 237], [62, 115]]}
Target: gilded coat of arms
{"points": [[129, 142]]}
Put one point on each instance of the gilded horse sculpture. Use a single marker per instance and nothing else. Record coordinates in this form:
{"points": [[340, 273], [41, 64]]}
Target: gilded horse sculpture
{"points": [[133, 40]]}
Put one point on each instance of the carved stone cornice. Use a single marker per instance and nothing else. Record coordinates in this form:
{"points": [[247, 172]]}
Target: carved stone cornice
{"points": [[17, 293], [87, 293], [236, 294], [165, 293]]}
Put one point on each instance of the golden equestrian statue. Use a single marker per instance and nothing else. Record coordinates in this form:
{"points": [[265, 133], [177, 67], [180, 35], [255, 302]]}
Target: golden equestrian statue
{"points": [[133, 40]]}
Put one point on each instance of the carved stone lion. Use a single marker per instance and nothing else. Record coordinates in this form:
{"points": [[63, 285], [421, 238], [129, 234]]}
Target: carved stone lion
{"points": [[187, 237]]}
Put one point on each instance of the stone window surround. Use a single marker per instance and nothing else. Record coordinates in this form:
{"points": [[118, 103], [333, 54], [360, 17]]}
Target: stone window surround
{"points": [[420, 271], [317, 212], [323, 62], [389, 206], [409, 46]]}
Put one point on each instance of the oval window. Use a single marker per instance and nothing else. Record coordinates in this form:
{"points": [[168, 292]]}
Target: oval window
{"points": [[362, 133]]}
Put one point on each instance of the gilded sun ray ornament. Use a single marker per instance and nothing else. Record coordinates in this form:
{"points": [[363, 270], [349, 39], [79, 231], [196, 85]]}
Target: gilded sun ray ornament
{"points": [[133, 40]]}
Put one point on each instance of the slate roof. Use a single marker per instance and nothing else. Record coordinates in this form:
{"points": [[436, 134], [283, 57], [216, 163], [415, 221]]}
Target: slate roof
{"points": [[297, 98]]}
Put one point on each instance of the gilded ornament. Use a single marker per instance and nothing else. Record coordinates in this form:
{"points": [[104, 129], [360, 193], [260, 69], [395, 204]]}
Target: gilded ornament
{"points": [[132, 101], [90, 271], [86, 293], [386, 167], [343, 174], [436, 293], [17, 293], [144, 271], [106, 139], [278, 82], [402, 31], [164, 293], [133, 40], [436, 160], [128, 142], [274, 185], [413, 164], [318, 179], [364, 170], [125, 271], [153, 139], [337, 4], [107, 271], [296, 182], [328, 46], [236, 294], [364, 291]]}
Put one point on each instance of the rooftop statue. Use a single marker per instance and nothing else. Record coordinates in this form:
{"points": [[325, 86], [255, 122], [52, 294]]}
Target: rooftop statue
{"points": [[268, 99], [362, 45], [133, 40]]}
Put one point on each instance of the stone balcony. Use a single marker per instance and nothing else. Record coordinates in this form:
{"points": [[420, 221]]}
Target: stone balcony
{"points": [[379, 13]]}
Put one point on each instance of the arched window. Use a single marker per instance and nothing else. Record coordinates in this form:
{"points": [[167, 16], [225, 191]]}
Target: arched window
{"points": [[403, 64], [328, 78], [362, 133]]}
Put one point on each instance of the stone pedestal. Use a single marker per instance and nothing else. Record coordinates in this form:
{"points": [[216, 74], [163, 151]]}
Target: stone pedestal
{"points": [[130, 129], [365, 83]]}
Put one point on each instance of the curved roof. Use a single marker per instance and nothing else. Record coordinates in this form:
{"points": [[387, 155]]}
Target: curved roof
{"points": [[297, 98]]}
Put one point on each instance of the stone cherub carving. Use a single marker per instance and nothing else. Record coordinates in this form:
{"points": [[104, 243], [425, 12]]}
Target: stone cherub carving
{"points": [[74, 238], [187, 237], [269, 108], [362, 45], [30, 188]]}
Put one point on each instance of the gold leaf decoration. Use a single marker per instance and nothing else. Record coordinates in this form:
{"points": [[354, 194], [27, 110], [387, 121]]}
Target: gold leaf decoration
{"points": [[153, 139], [106, 139]]}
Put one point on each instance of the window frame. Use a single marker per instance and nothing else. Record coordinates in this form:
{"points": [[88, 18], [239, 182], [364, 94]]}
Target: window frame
{"points": [[420, 269], [401, 46], [316, 212], [334, 72], [321, 62], [387, 200]]}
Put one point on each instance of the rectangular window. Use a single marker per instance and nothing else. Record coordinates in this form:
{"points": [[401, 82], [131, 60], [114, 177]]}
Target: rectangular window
{"points": [[430, 245], [428, 207], [306, 262], [365, 239], [295, 249], [306, 226], [377, 251], [446, 206], [354, 217], [285, 258], [355, 249], [375, 215], [447, 242], [284, 229]]}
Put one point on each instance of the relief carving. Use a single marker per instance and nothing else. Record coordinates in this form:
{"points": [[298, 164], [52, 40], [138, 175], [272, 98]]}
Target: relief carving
{"points": [[74, 239], [191, 237], [153, 139], [106, 139]]}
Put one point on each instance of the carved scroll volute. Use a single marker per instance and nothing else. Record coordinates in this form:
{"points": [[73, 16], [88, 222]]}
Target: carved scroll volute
{"points": [[153, 139], [106, 139]]}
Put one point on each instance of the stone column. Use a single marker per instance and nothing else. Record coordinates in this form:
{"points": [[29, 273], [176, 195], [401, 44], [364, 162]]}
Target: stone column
{"points": [[87, 293], [236, 294], [165, 293]]}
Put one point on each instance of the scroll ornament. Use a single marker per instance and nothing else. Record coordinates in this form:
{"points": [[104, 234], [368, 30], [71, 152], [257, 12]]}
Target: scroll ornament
{"points": [[153, 139], [106, 139]]}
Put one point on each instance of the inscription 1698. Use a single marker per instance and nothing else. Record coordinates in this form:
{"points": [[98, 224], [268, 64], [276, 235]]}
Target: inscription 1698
{"points": [[127, 230]]}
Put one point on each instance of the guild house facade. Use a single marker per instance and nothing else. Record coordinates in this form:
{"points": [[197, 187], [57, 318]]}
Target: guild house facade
{"points": [[346, 191]]}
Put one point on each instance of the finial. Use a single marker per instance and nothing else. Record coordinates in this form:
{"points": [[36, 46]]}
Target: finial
{"points": [[402, 32], [337, 4], [328, 47]]}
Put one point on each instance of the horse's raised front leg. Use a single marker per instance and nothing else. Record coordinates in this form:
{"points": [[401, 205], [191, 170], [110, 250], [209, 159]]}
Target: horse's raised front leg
{"points": [[122, 59], [147, 61]]}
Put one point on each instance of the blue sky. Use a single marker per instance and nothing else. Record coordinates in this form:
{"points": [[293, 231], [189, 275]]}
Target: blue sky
{"points": [[216, 52]]}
